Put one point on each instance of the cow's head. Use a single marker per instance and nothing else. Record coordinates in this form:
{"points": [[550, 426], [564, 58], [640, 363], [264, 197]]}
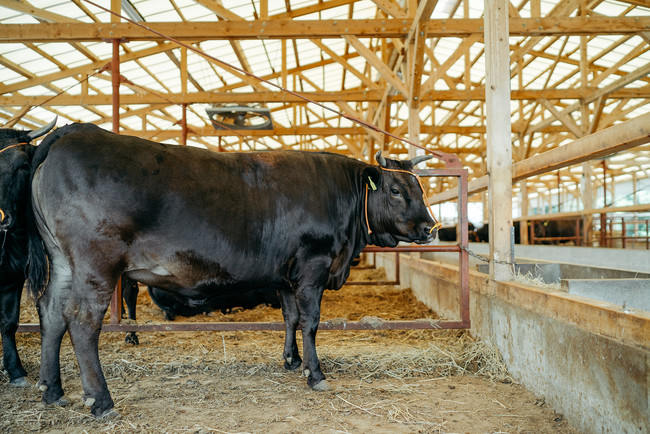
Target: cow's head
{"points": [[15, 156], [396, 208]]}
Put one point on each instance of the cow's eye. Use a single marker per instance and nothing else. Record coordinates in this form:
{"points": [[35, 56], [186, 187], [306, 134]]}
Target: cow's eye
{"points": [[394, 191]]}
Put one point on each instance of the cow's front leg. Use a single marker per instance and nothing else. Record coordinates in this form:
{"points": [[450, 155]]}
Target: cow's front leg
{"points": [[9, 315], [309, 319], [309, 292], [292, 360]]}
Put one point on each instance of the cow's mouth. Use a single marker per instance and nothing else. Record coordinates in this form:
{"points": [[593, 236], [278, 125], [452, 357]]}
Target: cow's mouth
{"points": [[424, 238]]}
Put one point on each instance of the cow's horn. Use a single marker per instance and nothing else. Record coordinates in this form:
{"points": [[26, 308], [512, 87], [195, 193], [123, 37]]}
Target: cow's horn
{"points": [[420, 158], [380, 159], [43, 130]]}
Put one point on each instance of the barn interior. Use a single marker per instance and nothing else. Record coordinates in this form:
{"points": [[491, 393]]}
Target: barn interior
{"points": [[545, 103]]}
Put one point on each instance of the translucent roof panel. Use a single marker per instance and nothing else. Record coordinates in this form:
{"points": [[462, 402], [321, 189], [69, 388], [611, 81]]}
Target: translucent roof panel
{"points": [[373, 84]]}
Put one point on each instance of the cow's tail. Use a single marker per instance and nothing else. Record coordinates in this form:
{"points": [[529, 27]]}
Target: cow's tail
{"points": [[38, 260]]}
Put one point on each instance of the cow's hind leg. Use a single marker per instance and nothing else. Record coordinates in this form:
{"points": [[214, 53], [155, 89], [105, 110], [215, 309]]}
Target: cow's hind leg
{"points": [[9, 316], [292, 360], [84, 313], [50, 311]]}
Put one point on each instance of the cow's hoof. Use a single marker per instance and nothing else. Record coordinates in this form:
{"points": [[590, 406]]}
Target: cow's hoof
{"points": [[321, 386], [292, 365], [61, 402], [21, 382], [132, 339], [110, 414]]}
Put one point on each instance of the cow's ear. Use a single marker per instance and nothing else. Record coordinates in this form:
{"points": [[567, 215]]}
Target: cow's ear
{"points": [[372, 177]]}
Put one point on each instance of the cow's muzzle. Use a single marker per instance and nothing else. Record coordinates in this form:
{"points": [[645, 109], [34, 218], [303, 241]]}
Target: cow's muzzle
{"points": [[427, 233]]}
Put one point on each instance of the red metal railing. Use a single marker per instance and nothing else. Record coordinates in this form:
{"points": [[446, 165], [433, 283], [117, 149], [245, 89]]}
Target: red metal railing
{"points": [[616, 228]]}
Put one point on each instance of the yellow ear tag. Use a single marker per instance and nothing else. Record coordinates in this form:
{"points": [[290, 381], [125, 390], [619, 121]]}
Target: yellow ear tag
{"points": [[372, 184]]}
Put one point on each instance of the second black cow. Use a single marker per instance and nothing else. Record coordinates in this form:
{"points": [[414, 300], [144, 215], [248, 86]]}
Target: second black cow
{"points": [[16, 153]]}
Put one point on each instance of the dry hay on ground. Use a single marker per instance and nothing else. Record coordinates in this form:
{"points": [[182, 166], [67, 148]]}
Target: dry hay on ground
{"points": [[426, 381]]}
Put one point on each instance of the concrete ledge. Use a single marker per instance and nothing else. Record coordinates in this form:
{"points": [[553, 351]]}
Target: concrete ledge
{"points": [[588, 359], [630, 293]]}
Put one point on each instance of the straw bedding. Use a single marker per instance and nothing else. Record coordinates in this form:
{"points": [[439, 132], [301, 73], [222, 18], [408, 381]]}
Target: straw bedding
{"points": [[381, 381]]}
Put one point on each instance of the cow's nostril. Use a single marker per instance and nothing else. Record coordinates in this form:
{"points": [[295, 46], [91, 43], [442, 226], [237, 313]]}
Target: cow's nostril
{"points": [[429, 230]]}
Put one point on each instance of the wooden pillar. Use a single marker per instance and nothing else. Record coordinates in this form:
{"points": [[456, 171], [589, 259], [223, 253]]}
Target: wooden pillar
{"points": [[116, 300], [486, 207], [414, 131], [523, 224], [116, 6], [115, 78], [184, 125], [184, 79], [499, 152], [587, 202]]}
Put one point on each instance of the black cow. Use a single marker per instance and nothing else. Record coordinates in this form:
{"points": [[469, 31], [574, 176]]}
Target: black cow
{"points": [[15, 158], [173, 304], [449, 233], [196, 222], [564, 230], [483, 233], [543, 228]]}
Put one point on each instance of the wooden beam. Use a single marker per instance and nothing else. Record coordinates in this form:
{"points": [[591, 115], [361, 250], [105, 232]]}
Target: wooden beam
{"points": [[622, 82], [378, 64], [620, 137], [307, 29], [390, 8], [271, 96]]}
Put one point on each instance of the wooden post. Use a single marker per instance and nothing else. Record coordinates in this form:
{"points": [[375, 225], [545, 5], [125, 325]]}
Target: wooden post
{"points": [[523, 224], [116, 300], [184, 79], [499, 152], [587, 202], [115, 79]]}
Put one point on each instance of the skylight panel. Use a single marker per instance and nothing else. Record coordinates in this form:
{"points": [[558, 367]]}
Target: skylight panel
{"points": [[245, 10], [610, 8], [195, 13], [101, 50], [10, 16], [68, 9], [153, 11], [34, 63]]}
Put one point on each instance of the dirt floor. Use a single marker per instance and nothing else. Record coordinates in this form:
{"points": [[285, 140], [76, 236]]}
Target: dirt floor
{"points": [[419, 381]]}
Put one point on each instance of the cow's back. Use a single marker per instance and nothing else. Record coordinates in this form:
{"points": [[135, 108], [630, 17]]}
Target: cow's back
{"points": [[177, 216]]}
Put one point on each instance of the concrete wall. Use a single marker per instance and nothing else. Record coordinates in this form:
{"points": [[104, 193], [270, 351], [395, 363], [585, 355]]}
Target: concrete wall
{"points": [[634, 261], [589, 360]]}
